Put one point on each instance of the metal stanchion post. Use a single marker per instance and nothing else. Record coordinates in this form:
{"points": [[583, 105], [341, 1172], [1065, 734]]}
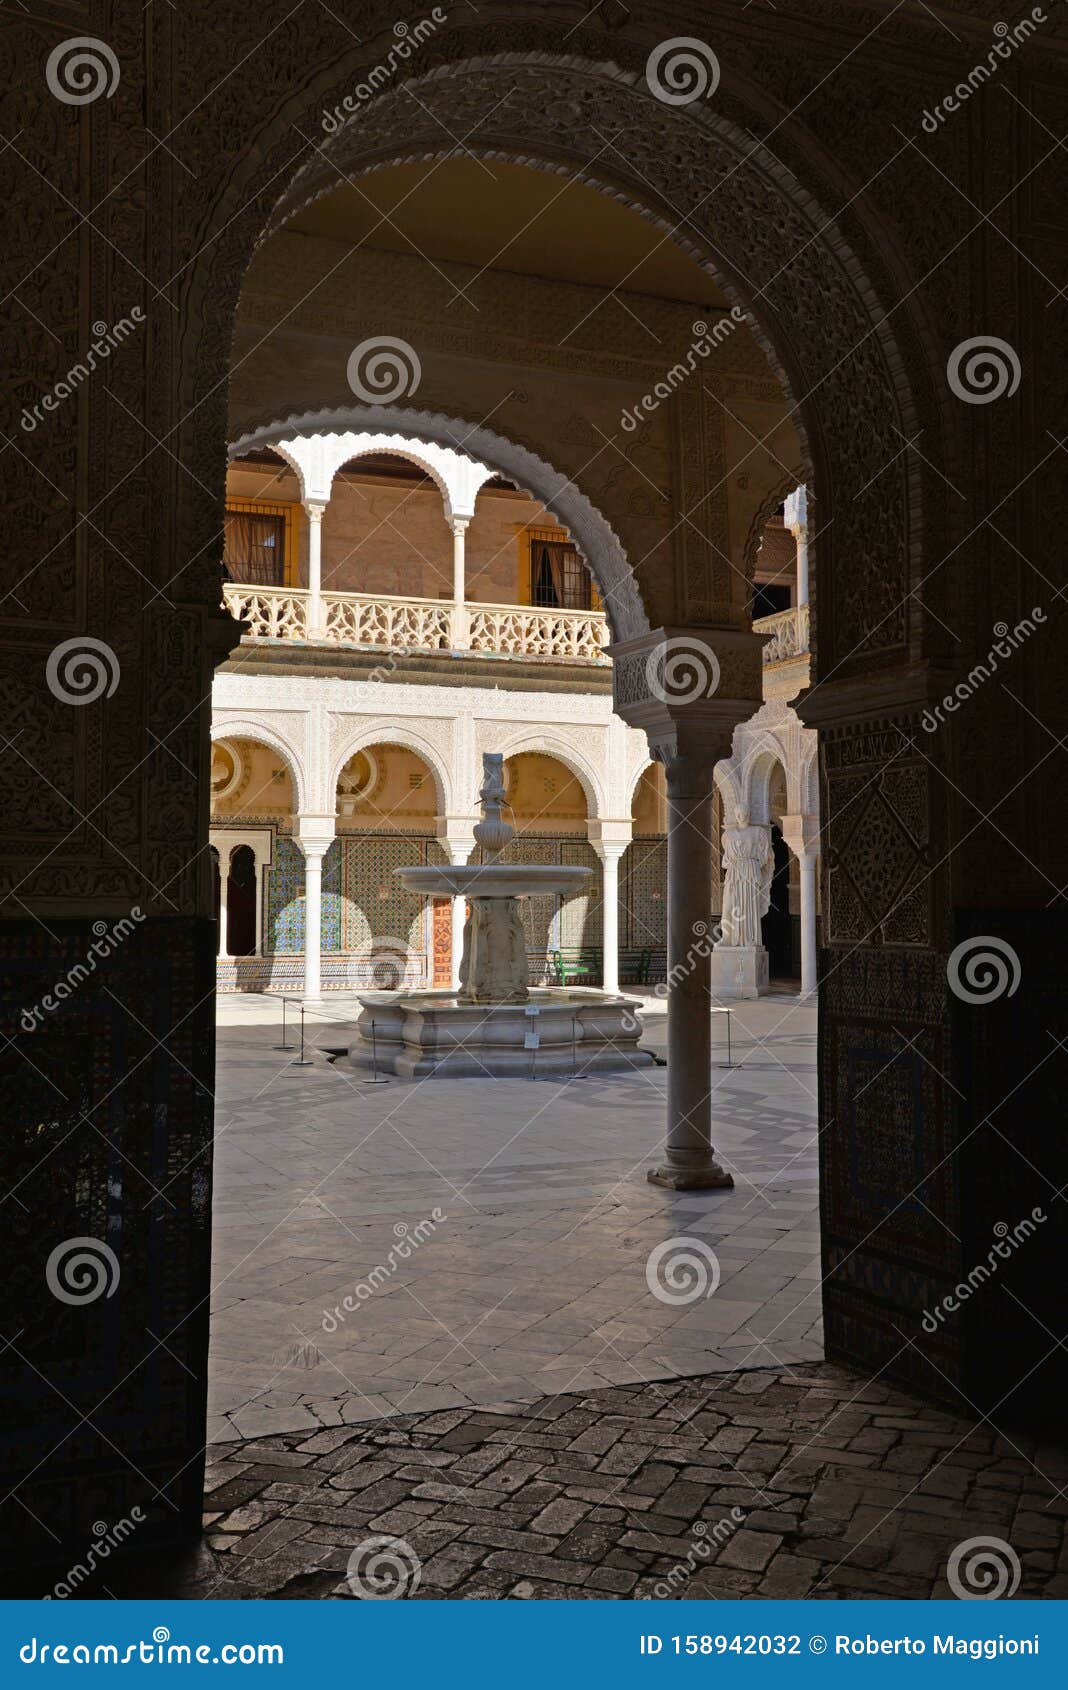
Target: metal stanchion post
{"points": [[302, 1061], [575, 1075], [376, 1078], [283, 1045]]}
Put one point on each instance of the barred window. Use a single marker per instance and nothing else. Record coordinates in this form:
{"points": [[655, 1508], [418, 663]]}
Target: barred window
{"points": [[254, 551]]}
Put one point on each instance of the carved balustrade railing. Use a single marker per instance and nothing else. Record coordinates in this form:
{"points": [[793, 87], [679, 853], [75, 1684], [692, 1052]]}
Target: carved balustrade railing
{"points": [[526, 631], [417, 624], [789, 630]]}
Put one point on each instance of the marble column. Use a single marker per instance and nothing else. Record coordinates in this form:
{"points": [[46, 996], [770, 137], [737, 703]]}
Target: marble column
{"points": [[610, 840], [459, 854], [460, 631], [689, 1160], [315, 840], [315, 509], [224, 876], [801, 834]]}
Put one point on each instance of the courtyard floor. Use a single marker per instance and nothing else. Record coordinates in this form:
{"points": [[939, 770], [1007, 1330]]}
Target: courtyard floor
{"points": [[493, 1237], [807, 1482]]}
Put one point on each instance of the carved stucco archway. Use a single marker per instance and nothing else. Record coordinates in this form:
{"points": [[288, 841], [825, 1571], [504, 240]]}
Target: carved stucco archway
{"points": [[365, 736], [823, 314], [264, 733]]}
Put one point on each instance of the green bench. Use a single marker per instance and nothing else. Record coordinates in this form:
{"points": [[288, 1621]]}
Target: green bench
{"points": [[576, 968], [585, 967]]}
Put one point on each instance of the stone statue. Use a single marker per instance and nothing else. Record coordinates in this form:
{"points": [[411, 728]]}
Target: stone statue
{"points": [[748, 865]]}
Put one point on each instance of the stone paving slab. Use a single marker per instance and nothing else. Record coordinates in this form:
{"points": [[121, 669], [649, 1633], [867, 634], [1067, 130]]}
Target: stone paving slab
{"points": [[534, 1280], [768, 1483]]}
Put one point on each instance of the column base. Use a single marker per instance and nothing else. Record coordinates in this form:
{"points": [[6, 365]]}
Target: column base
{"points": [[712, 1178]]}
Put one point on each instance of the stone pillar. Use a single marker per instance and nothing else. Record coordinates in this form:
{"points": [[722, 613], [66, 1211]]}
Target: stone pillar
{"points": [[801, 834], [689, 1160], [459, 847], [315, 509], [224, 875], [739, 960], [460, 630], [315, 834], [610, 839], [795, 518]]}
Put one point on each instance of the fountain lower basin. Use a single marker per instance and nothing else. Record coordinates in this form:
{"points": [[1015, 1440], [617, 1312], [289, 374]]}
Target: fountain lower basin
{"points": [[556, 1032]]}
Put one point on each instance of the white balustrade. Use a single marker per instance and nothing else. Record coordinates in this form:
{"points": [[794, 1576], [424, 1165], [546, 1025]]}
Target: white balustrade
{"points": [[789, 630], [416, 624], [527, 631]]}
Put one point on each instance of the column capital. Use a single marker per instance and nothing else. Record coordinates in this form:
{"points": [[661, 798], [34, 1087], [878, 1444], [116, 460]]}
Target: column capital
{"points": [[802, 834], [795, 510], [689, 688], [315, 834], [457, 835], [609, 838], [314, 509]]}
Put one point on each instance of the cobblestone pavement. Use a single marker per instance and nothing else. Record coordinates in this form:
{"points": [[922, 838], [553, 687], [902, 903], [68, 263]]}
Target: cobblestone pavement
{"points": [[758, 1484], [533, 1278]]}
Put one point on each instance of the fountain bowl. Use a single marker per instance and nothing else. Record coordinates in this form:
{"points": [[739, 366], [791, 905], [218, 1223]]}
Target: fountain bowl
{"points": [[558, 1032]]}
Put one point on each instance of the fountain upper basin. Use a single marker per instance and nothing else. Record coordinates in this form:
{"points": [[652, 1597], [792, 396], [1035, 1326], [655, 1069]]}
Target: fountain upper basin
{"points": [[494, 880]]}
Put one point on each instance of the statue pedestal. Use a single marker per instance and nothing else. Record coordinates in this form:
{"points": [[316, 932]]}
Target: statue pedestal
{"points": [[494, 967], [739, 971]]}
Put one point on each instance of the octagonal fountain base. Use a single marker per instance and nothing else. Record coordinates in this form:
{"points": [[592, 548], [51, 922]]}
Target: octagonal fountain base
{"points": [[557, 1032]]}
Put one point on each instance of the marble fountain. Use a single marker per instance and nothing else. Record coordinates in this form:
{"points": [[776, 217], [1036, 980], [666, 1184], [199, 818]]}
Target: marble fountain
{"points": [[497, 1024]]}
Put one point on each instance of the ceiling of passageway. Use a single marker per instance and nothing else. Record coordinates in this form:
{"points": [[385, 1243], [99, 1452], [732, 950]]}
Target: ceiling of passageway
{"points": [[501, 216]]}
